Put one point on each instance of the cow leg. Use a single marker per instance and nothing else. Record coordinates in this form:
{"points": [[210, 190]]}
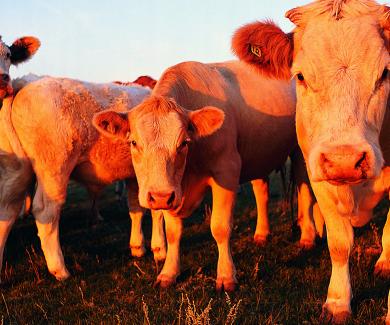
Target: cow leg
{"points": [[260, 189], [136, 212], [5, 228], [382, 266], [221, 225], [171, 268], [47, 204], [340, 242], [158, 236], [305, 201]]}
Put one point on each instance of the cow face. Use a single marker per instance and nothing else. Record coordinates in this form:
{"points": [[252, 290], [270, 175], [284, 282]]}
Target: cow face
{"points": [[21, 50], [160, 133], [339, 55]]}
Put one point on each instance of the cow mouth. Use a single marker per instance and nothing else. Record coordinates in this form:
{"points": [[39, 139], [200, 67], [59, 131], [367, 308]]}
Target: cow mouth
{"points": [[339, 182]]}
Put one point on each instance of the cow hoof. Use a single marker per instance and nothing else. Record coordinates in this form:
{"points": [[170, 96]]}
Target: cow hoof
{"points": [[137, 251], [260, 240], [382, 269], [306, 244], [164, 281], [226, 285], [61, 275], [335, 314], [159, 254]]}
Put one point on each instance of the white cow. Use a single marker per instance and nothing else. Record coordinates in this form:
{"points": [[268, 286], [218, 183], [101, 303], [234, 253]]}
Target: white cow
{"points": [[48, 131], [339, 54], [207, 126]]}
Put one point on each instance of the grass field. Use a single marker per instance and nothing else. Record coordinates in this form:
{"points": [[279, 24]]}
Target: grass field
{"points": [[279, 283]]}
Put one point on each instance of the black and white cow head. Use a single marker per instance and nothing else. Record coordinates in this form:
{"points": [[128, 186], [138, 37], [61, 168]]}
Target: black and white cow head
{"points": [[20, 50]]}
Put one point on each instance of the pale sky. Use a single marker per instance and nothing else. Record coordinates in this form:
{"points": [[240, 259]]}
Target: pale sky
{"points": [[119, 40]]}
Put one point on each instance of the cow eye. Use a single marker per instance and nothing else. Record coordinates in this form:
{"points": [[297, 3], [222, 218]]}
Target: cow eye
{"points": [[184, 144], [300, 77], [133, 143], [385, 74]]}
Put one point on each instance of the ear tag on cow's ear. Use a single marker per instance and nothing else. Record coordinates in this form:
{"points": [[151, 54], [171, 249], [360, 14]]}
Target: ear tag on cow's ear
{"points": [[255, 49]]}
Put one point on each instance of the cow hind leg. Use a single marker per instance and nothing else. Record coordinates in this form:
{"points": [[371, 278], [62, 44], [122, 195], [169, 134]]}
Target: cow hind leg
{"points": [[158, 236], [47, 206], [382, 266], [260, 189], [5, 228]]}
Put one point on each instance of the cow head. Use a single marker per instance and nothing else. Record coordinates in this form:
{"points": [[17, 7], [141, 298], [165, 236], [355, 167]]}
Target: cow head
{"points": [[20, 50], [339, 56], [160, 133]]}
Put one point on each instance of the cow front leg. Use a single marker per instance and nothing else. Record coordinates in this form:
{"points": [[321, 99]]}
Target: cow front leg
{"points": [[221, 226], [171, 268], [337, 307], [46, 210], [382, 266], [158, 236], [260, 189], [305, 201], [136, 212]]}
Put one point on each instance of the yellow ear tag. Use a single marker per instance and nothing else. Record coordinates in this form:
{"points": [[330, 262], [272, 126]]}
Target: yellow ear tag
{"points": [[255, 49]]}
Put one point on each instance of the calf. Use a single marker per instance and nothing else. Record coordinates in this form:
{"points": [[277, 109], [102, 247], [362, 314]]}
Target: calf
{"points": [[206, 125], [48, 131], [339, 55]]}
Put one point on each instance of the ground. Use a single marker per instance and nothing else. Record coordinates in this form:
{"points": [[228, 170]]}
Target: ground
{"points": [[279, 283]]}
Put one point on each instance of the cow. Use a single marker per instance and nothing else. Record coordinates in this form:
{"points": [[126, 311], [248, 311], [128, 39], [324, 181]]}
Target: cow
{"points": [[207, 125], [20, 51], [145, 81], [339, 56], [46, 130]]}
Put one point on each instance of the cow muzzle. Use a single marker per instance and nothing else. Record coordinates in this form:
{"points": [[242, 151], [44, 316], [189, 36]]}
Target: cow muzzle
{"points": [[5, 86], [344, 164], [161, 200]]}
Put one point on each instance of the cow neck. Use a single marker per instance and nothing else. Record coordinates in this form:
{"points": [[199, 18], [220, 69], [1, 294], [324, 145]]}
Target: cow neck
{"points": [[6, 111]]}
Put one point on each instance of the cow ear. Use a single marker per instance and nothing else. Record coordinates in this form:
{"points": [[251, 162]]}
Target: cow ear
{"points": [[266, 46], [112, 124], [24, 48], [206, 121]]}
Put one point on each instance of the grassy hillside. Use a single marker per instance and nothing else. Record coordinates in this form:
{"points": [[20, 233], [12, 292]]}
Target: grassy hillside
{"points": [[279, 283]]}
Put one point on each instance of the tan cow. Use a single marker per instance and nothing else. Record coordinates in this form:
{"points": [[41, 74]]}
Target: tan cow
{"points": [[339, 55], [20, 50], [49, 132], [208, 125]]}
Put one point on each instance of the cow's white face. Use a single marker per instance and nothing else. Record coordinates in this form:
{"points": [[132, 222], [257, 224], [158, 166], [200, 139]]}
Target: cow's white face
{"points": [[159, 132], [342, 89], [21, 50], [339, 54]]}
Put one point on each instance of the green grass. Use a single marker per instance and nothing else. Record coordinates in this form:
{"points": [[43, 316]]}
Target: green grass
{"points": [[279, 284]]}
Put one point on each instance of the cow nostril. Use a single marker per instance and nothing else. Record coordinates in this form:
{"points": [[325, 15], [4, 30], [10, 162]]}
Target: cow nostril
{"points": [[150, 197], [361, 161], [171, 198], [5, 77]]}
